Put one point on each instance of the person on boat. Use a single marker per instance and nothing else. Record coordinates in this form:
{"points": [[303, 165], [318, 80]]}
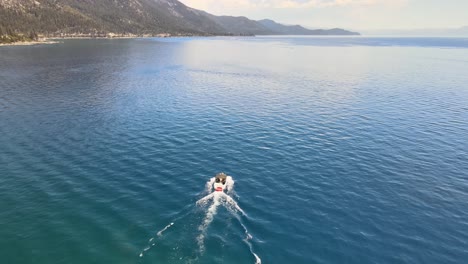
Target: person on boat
{"points": [[221, 177]]}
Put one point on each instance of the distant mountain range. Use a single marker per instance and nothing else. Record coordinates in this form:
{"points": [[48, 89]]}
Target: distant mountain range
{"points": [[133, 17], [281, 29]]}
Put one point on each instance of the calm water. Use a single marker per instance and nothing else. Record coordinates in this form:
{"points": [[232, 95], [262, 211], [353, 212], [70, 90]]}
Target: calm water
{"points": [[343, 150]]}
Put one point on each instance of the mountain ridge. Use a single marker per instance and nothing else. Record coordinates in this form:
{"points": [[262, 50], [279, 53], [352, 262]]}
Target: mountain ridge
{"points": [[127, 17], [300, 30]]}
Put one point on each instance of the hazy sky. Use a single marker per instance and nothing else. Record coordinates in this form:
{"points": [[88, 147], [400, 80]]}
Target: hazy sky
{"points": [[350, 14]]}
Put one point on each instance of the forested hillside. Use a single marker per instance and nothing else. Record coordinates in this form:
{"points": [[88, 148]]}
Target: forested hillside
{"points": [[52, 17], [24, 19]]}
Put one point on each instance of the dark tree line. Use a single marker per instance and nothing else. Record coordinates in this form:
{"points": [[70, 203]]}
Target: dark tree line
{"points": [[84, 17], [68, 18], [8, 35]]}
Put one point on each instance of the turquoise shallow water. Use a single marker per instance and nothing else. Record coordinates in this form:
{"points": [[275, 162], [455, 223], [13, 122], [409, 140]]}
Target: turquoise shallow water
{"points": [[343, 150]]}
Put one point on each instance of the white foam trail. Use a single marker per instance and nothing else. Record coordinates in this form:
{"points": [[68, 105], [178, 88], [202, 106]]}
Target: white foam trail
{"points": [[218, 198], [162, 230], [247, 239], [204, 200], [233, 208], [210, 213], [144, 250], [229, 184], [221, 198], [257, 259], [230, 203], [150, 242], [209, 185]]}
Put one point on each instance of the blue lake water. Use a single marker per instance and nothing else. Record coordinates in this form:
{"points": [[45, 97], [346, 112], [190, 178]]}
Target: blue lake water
{"points": [[343, 150]]}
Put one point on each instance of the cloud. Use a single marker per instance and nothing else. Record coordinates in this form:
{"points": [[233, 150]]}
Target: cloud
{"points": [[237, 4], [322, 3]]}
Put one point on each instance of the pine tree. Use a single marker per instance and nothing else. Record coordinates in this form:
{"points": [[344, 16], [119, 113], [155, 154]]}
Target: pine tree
{"points": [[9, 31], [33, 35]]}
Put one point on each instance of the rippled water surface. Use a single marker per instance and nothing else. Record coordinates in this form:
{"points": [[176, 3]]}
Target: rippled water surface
{"points": [[342, 150]]}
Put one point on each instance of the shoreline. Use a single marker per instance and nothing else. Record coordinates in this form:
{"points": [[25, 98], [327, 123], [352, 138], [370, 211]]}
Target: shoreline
{"points": [[56, 40], [29, 43]]}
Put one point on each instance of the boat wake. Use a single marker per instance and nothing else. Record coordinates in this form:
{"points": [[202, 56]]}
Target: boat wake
{"points": [[210, 205]]}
